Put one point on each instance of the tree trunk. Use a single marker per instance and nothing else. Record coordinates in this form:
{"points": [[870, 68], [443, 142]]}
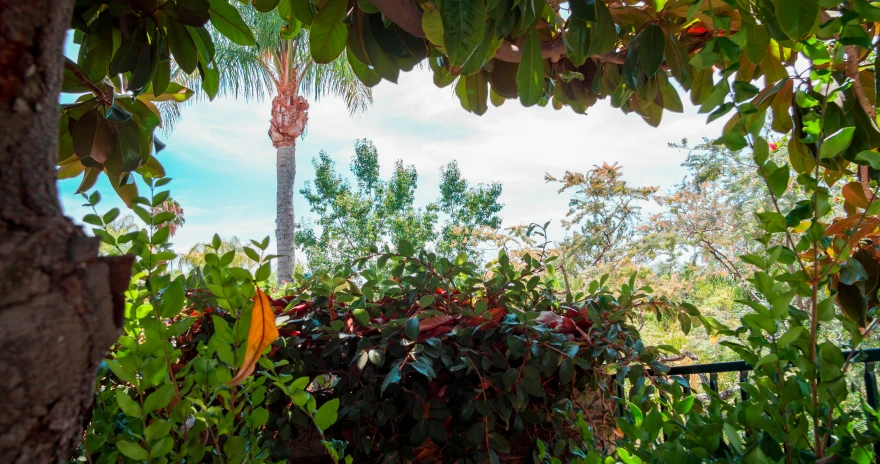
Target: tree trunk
{"points": [[60, 305], [284, 219], [290, 113]]}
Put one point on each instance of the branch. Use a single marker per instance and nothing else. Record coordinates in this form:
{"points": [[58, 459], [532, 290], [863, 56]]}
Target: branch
{"points": [[408, 17], [726, 262], [70, 66]]}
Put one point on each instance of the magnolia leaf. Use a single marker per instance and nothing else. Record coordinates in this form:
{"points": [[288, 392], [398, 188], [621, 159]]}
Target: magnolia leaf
{"points": [[578, 43], [836, 143], [797, 17], [530, 76], [853, 304], [870, 157], [182, 46], [757, 42], [603, 34], [464, 23], [854, 194], [364, 73], [173, 92], [92, 137], [329, 34], [264, 6], [226, 19], [651, 48], [584, 10], [261, 334]]}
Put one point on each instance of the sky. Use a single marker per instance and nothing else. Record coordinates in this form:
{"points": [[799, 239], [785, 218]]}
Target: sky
{"points": [[223, 163]]}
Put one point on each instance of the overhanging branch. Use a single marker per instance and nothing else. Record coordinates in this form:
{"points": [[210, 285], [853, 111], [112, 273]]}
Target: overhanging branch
{"points": [[408, 17]]}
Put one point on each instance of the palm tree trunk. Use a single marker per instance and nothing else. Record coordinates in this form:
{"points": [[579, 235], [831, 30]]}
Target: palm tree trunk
{"points": [[290, 113], [284, 219]]}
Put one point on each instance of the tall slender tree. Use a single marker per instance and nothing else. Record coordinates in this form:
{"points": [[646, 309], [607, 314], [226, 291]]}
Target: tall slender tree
{"points": [[281, 67]]}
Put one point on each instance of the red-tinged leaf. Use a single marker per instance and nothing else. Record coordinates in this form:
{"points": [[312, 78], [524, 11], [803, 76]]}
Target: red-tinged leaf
{"points": [[261, 334], [429, 323], [854, 194], [842, 224], [498, 314], [92, 137]]}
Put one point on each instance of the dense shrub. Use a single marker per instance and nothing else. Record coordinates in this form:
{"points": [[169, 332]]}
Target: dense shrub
{"points": [[433, 361]]}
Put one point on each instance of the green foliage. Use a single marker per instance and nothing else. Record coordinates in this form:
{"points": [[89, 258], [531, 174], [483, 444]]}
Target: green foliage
{"points": [[160, 395], [442, 363], [375, 213]]}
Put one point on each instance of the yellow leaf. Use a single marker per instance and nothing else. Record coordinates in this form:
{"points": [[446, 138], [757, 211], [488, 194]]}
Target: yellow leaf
{"points": [[802, 227], [262, 333]]}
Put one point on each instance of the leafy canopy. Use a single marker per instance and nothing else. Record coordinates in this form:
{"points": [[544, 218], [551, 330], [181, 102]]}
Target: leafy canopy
{"points": [[374, 212]]}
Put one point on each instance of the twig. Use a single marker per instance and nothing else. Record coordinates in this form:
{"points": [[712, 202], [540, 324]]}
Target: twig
{"points": [[85, 80]]}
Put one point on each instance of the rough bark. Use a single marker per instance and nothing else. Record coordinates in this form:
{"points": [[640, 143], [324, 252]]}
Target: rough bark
{"points": [[290, 113], [284, 219], [60, 306]]}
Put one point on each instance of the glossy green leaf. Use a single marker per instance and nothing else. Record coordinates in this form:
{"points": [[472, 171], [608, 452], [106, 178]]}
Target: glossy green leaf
{"points": [[210, 81], [684, 405], [584, 10], [159, 399], [264, 6], [412, 328], [132, 450], [182, 46], [603, 34], [530, 75], [362, 316], [476, 90], [757, 42], [464, 23], [227, 20], [652, 45], [327, 414], [836, 143], [328, 34], [797, 17], [578, 43], [405, 248], [364, 73], [129, 406]]}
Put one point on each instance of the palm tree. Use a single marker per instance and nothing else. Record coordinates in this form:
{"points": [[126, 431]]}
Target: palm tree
{"points": [[283, 68]]}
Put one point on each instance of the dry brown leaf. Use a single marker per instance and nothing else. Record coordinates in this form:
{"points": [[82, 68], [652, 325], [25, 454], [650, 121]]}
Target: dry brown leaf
{"points": [[262, 333]]}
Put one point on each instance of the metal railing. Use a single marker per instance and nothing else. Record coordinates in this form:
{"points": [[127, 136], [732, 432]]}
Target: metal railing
{"points": [[869, 357]]}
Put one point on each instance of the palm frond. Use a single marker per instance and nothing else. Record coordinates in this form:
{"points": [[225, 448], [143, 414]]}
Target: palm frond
{"points": [[254, 73]]}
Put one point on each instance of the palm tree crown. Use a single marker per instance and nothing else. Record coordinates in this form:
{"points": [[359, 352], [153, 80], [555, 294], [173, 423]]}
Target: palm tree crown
{"points": [[281, 66], [259, 72]]}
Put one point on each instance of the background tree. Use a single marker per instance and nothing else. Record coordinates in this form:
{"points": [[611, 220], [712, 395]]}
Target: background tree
{"points": [[604, 216], [375, 212], [282, 68]]}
